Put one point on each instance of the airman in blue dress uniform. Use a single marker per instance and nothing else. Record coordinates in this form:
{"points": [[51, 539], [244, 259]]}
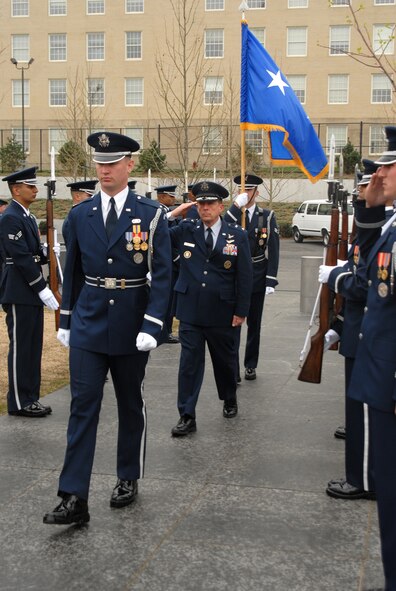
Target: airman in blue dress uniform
{"points": [[23, 293], [213, 294], [111, 319]]}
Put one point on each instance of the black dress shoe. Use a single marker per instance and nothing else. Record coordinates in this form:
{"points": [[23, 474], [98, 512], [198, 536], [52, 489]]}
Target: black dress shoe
{"points": [[71, 509], [340, 433], [239, 380], [172, 340], [185, 426], [124, 493], [230, 409], [250, 373], [36, 409], [341, 489]]}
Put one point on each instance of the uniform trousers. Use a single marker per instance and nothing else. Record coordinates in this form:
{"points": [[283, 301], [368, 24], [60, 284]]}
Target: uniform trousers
{"points": [[253, 322], [88, 371], [25, 325], [358, 448], [222, 348], [384, 451]]}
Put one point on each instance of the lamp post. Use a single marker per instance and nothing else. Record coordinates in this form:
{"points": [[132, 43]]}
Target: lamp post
{"points": [[22, 67]]}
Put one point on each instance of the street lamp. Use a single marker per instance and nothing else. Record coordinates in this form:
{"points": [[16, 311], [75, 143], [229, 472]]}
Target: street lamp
{"points": [[22, 66]]}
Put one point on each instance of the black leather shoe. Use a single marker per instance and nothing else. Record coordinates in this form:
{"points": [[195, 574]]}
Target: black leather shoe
{"points": [[71, 509], [340, 433], [230, 409], [172, 340], [185, 426], [124, 493], [36, 409], [250, 373], [341, 489]]}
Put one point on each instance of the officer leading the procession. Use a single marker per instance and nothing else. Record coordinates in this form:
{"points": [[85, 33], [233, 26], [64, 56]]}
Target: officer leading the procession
{"points": [[23, 295], [264, 248], [111, 319], [213, 294], [373, 378]]}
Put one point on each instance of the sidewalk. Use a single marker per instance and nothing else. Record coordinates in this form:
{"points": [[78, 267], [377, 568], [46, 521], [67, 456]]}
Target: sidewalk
{"points": [[237, 506]]}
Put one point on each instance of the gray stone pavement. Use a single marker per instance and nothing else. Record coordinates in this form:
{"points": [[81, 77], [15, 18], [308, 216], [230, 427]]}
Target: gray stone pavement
{"points": [[237, 506]]}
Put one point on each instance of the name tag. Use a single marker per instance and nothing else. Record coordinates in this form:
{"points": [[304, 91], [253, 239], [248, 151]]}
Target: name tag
{"points": [[190, 244]]}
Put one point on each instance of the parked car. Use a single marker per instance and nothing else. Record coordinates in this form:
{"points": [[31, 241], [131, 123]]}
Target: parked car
{"points": [[313, 219]]}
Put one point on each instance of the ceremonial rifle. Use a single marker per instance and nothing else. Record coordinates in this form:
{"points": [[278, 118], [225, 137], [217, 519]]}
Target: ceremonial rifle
{"points": [[53, 261]]}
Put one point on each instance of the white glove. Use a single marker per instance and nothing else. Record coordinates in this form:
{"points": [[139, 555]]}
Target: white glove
{"points": [[341, 263], [45, 249], [242, 199], [56, 249], [324, 272], [269, 290], [148, 276], [48, 298], [63, 336], [145, 342], [330, 338]]}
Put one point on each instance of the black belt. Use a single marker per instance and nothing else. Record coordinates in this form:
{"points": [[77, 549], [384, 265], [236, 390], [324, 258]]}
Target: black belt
{"points": [[113, 283], [36, 258]]}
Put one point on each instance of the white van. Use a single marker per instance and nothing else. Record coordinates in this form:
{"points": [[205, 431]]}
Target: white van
{"points": [[313, 219]]}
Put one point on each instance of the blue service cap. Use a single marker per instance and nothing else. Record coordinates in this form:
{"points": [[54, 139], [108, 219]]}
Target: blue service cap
{"points": [[26, 176], [389, 157], [251, 180], [167, 189], [369, 168], [111, 147], [209, 191], [83, 186]]}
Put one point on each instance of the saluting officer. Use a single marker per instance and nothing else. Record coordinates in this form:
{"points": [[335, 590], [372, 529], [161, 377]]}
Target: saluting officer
{"points": [[23, 292], [373, 378], [213, 293], [111, 319], [264, 248], [80, 190]]}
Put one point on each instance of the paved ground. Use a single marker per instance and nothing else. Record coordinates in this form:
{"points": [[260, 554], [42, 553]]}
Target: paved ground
{"points": [[238, 506]]}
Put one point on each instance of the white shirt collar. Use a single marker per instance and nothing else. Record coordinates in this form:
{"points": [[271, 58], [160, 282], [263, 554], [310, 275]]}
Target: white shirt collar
{"points": [[20, 205], [119, 199]]}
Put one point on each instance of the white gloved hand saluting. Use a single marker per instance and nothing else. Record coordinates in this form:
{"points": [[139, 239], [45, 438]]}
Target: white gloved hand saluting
{"points": [[145, 342], [330, 338], [63, 336], [48, 298], [269, 290], [324, 273], [241, 200]]}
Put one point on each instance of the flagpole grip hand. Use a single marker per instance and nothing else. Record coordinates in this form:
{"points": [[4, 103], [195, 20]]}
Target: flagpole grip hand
{"points": [[241, 200]]}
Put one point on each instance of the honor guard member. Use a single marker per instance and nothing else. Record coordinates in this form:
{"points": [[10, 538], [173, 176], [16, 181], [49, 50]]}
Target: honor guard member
{"points": [[213, 293], [192, 213], [264, 249], [3, 205], [23, 293], [373, 379], [166, 196], [80, 191], [111, 319]]}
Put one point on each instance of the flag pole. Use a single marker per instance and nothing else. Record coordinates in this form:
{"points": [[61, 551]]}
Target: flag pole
{"points": [[244, 6]]}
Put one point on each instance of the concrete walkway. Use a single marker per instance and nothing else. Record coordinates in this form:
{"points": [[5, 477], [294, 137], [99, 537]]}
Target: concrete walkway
{"points": [[238, 506]]}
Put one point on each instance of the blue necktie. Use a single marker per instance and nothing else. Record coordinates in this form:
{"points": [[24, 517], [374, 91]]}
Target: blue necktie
{"points": [[111, 219], [209, 240]]}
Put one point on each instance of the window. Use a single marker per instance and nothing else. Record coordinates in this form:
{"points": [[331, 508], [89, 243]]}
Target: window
{"points": [[57, 93], [21, 47], [379, 2], [340, 2], [211, 140], [134, 92], [260, 34], [338, 89], [137, 134], [214, 43], [256, 4], [340, 133], [214, 4], [17, 93], [378, 143], [254, 139], [298, 4], [56, 138], [57, 7], [133, 45], [339, 39], [213, 94], [95, 92], [17, 133], [383, 39], [95, 6], [381, 89], [134, 6], [57, 47], [20, 8], [311, 208], [298, 84], [95, 46], [324, 209], [296, 41]]}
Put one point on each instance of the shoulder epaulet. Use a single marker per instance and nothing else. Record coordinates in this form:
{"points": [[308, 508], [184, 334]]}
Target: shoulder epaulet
{"points": [[82, 202], [146, 201], [235, 226]]}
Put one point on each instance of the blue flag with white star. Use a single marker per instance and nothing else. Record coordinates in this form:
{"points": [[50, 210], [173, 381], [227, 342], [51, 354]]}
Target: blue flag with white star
{"points": [[268, 102]]}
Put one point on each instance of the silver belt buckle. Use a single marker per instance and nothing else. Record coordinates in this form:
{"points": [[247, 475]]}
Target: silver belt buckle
{"points": [[110, 283]]}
